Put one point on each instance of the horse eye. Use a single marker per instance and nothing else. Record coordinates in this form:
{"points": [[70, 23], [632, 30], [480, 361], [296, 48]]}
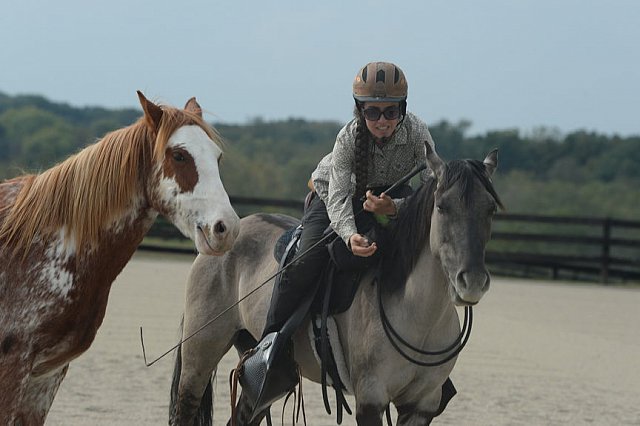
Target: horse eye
{"points": [[441, 209], [178, 156]]}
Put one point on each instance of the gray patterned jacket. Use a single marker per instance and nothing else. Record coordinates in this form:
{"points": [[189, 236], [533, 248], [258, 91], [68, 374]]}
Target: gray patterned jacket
{"points": [[334, 178]]}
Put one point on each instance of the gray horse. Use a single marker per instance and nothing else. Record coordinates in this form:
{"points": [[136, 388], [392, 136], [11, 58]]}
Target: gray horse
{"points": [[436, 264]]}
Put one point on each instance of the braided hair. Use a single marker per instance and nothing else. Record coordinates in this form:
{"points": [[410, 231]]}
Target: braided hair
{"points": [[364, 139]]}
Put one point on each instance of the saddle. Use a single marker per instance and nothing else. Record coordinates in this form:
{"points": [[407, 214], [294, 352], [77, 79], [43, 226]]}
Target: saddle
{"points": [[343, 267]]}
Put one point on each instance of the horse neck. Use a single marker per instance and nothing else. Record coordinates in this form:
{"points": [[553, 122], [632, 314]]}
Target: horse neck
{"points": [[424, 298], [119, 241], [97, 263]]}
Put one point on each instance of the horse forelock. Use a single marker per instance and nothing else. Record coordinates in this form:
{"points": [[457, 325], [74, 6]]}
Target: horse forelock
{"points": [[89, 190], [172, 119], [467, 172]]}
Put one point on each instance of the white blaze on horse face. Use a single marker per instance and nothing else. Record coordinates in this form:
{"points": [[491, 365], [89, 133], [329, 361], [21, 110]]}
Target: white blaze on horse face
{"points": [[193, 194]]}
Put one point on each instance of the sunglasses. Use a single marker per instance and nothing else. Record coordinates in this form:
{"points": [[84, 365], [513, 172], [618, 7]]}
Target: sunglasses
{"points": [[374, 113]]}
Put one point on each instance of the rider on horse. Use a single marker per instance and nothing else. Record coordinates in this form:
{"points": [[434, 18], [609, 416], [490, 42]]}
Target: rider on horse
{"points": [[378, 147]]}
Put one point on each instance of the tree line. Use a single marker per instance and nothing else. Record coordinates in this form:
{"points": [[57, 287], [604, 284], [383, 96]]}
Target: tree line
{"points": [[581, 173]]}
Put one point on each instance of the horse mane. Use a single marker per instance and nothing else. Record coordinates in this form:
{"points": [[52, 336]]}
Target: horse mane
{"points": [[87, 191], [410, 235]]}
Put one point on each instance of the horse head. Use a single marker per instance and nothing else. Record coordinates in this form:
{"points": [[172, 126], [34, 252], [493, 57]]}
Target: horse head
{"points": [[186, 187], [464, 205]]}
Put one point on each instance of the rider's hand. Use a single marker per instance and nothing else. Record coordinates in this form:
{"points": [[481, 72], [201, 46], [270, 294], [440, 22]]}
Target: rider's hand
{"points": [[360, 246], [379, 205]]}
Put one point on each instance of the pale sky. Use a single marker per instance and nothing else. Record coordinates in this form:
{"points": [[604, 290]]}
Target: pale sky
{"points": [[564, 64]]}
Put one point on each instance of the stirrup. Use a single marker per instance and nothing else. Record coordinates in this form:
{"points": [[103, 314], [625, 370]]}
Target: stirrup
{"points": [[268, 373]]}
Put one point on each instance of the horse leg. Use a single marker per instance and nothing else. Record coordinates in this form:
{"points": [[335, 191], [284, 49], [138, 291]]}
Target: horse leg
{"points": [[16, 360], [201, 353], [369, 414], [39, 396], [25, 399], [409, 416], [370, 394], [432, 405], [200, 356]]}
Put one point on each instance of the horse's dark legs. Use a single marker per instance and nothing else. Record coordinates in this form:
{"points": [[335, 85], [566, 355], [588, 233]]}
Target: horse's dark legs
{"points": [[369, 415], [408, 416], [185, 409]]}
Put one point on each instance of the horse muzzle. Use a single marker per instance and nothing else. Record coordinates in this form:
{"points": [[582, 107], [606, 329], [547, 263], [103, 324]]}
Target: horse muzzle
{"points": [[470, 286], [216, 239]]}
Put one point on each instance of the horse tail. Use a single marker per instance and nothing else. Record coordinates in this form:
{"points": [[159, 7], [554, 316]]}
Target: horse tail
{"points": [[175, 380], [204, 416]]}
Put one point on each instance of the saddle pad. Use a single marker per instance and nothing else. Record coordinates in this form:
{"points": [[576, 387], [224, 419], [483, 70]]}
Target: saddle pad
{"points": [[284, 240], [335, 348]]}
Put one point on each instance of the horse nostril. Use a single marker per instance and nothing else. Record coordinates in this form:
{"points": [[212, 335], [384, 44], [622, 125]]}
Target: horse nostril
{"points": [[487, 283], [462, 282], [219, 227], [479, 279]]}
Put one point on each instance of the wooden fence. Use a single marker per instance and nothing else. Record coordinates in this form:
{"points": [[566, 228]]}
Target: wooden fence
{"points": [[598, 249], [593, 249]]}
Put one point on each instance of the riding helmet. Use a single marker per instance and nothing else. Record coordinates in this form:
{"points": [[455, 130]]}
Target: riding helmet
{"points": [[380, 82]]}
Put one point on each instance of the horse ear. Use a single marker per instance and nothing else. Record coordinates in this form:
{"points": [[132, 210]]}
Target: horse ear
{"points": [[152, 112], [193, 106], [435, 162], [491, 162]]}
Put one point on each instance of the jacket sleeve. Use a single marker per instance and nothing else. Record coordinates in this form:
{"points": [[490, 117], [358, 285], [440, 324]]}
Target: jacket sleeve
{"points": [[341, 188]]}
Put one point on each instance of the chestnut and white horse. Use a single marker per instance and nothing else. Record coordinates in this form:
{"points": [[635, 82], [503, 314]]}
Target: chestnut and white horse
{"points": [[66, 233]]}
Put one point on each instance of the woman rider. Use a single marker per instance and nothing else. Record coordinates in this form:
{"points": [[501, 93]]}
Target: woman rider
{"points": [[381, 145], [375, 149]]}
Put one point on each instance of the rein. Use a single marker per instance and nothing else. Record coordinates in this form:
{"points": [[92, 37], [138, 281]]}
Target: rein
{"points": [[396, 340]]}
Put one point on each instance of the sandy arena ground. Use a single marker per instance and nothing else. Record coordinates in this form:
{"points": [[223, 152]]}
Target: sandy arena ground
{"points": [[541, 353]]}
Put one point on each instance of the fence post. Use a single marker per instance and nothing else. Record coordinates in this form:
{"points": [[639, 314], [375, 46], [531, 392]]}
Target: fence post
{"points": [[606, 249]]}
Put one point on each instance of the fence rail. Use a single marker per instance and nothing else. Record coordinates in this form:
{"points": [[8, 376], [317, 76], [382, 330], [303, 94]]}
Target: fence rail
{"points": [[600, 249], [558, 247]]}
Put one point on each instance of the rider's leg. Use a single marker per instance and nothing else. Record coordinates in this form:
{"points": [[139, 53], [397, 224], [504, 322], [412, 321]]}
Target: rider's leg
{"points": [[301, 277]]}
